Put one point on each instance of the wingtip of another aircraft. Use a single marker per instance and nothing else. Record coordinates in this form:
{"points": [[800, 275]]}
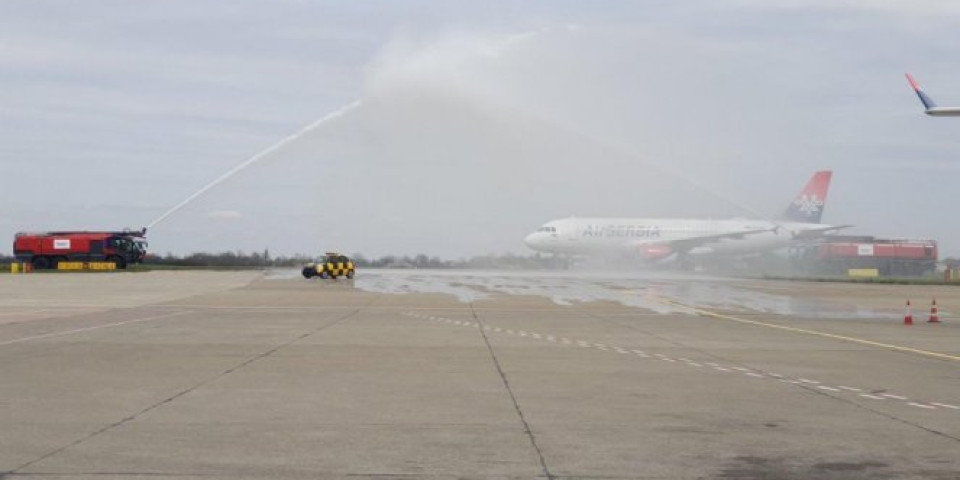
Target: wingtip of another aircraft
{"points": [[913, 82]]}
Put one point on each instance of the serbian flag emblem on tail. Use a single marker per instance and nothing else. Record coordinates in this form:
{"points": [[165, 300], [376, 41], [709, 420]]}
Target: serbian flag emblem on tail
{"points": [[807, 207]]}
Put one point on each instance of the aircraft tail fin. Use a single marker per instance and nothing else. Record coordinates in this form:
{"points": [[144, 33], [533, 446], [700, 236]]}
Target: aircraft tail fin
{"points": [[926, 100], [807, 207]]}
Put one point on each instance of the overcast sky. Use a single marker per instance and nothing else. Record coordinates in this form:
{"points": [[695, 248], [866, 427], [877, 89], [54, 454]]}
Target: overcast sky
{"points": [[478, 121]]}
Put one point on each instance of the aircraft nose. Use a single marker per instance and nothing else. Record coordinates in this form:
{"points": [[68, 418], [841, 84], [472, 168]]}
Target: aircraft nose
{"points": [[532, 241]]}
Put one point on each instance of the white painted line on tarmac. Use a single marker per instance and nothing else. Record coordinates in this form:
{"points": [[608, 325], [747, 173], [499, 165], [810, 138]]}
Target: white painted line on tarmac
{"points": [[620, 350], [890, 395], [95, 327]]}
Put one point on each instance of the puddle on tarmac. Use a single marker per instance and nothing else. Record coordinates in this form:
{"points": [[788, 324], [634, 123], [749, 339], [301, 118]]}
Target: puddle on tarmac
{"points": [[646, 290]]}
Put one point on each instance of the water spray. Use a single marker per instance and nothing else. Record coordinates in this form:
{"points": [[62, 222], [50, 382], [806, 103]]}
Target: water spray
{"points": [[259, 156], [625, 151]]}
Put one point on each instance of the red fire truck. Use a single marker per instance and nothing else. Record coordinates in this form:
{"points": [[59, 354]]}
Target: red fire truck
{"points": [[47, 249], [837, 254]]}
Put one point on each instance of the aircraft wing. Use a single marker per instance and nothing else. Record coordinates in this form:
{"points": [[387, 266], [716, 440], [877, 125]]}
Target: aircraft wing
{"points": [[817, 232], [686, 244]]}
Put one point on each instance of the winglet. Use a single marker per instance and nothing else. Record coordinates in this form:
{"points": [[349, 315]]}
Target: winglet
{"points": [[927, 101]]}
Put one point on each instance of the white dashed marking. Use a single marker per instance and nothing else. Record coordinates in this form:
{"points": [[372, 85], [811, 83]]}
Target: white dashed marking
{"points": [[714, 365], [890, 395]]}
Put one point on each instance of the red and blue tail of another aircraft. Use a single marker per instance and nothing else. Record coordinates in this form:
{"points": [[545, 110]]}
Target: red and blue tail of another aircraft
{"points": [[807, 207], [928, 102]]}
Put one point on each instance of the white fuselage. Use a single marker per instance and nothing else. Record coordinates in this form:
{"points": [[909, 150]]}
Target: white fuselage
{"points": [[605, 236]]}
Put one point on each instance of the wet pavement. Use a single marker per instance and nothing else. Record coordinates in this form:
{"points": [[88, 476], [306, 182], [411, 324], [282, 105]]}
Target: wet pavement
{"points": [[410, 374]]}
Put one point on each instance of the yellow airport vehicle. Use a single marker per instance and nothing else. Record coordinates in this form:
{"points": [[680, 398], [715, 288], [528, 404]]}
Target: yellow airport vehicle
{"points": [[332, 265]]}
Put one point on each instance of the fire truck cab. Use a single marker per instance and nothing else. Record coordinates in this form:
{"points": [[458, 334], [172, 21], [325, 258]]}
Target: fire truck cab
{"points": [[47, 249]]}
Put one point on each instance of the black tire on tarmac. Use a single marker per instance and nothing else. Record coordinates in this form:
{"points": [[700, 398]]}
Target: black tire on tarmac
{"points": [[350, 274], [120, 262], [40, 263]]}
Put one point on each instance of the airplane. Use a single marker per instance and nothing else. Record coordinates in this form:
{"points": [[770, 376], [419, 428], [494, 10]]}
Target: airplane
{"points": [[931, 108], [668, 239]]}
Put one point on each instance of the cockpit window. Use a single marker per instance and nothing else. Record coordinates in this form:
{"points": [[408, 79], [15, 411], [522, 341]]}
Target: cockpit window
{"points": [[547, 229]]}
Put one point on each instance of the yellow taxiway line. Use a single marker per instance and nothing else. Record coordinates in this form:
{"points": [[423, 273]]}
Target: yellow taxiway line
{"points": [[834, 336]]}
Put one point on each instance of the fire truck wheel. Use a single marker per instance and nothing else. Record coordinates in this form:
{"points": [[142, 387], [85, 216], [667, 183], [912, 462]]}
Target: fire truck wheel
{"points": [[40, 263], [350, 274], [307, 273], [324, 274], [121, 264]]}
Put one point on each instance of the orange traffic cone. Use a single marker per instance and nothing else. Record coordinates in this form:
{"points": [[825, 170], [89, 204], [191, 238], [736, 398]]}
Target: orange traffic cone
{"points": [[908, 316], [934, 313]]}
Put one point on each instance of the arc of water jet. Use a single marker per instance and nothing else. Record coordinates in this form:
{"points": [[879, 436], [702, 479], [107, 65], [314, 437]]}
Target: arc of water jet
{"points": [[264, 153]]}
